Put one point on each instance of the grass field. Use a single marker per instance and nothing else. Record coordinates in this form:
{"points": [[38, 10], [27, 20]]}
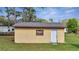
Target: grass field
{"points": [[71, 44]]}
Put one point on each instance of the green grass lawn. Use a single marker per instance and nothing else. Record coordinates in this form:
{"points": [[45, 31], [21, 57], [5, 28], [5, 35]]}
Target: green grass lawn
{"points": [[71, 44]]}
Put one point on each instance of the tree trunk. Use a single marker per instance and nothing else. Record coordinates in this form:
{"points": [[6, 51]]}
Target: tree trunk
{"points": [[14, 15], [8, 18], [23, 15]]}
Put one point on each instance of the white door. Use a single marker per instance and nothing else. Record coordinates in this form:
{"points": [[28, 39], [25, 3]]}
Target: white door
{"points": [[54, 36]]}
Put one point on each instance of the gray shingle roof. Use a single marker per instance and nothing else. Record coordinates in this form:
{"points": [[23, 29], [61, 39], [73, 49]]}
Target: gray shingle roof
{"points": [[39, 24]]}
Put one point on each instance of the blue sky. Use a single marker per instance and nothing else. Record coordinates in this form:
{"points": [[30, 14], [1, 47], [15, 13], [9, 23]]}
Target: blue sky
{"points": [[56, 13], [59, 13]]}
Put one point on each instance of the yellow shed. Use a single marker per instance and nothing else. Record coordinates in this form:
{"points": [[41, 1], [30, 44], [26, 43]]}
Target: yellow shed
{"points": [[37, 32]]}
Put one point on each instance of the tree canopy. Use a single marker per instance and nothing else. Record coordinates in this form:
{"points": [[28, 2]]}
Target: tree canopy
{"points": [[6, 22], [41, 20], [51, 20], [72, 25], [64, 21], [26, 15]]}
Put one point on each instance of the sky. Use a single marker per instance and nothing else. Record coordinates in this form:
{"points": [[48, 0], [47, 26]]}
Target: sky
{"points": [[59, 13], [56, 13]]}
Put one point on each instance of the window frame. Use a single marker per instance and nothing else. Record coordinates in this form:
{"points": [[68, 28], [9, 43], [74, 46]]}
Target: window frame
{"points": [[38, 32]]}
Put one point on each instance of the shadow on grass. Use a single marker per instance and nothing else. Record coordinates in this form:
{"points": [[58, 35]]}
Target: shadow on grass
{"points": [[75, 45]]}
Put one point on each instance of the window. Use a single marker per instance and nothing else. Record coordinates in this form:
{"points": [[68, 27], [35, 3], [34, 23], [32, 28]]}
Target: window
{"points": [[39, 32]]}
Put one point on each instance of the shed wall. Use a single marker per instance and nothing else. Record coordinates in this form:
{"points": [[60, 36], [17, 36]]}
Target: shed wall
{"points": [[26, 35], [29, 36], [60, 35]]}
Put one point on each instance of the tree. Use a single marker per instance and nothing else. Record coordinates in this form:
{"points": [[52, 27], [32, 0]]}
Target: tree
{"points": [[24, 14], [51, 20], [8, 12], [15, 13], [28, 14], [8, 15], [5, 22], [64, 21], [72, 25], [1, 19], [41, 20], [31, 14]]}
